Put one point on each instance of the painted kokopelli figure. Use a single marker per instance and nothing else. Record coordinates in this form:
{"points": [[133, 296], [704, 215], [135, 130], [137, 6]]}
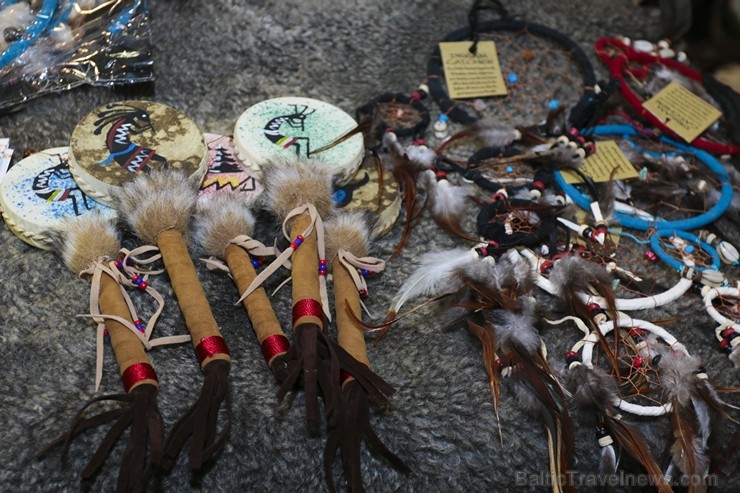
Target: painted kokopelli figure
{"points": [[279, 130], [126, 121], [56, 184]]}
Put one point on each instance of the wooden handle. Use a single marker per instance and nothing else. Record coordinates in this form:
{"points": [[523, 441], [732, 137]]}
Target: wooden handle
{"points": [[257, 304], [189, 293], [349, 333], [126, 346], [305, 269]]}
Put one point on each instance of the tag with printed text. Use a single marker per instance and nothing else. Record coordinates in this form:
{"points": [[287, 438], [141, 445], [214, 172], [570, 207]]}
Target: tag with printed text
{"points": [[682, 111], [472, 76], [599, 165]]}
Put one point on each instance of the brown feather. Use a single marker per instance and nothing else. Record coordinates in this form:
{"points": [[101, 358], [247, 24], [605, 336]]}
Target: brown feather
{"points": [[686, 451], [362, 128], [630, 439], [486, 334]]}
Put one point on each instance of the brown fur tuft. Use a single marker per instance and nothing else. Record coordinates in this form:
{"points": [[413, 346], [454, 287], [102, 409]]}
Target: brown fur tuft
{"points": [[86, 239], [348, 231], [156, 202], [292, 183], [220, 219]]}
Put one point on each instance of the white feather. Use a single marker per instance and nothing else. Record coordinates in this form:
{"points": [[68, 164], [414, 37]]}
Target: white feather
{"points": [[421, 155], [518, 328], [449, 202], [608, 463], [434, 275], [704, 419], [495, 134]]}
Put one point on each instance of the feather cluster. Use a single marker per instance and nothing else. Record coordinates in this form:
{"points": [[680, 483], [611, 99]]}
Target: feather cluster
{"points": [[449, 203], [291, 183], [156, 202], [220, 219], [518, 329], [86, 239], [591, 387], [348, 231], [436, 274], [575, 273]]}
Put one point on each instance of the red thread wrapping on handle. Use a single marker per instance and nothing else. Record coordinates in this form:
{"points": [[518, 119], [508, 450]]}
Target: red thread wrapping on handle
{"points": [[274, 345], [307, 308], [210, 346], [136, 373]]}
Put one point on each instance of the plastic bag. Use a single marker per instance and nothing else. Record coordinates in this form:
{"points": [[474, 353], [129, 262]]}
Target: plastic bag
{"points": [[54, 45]]}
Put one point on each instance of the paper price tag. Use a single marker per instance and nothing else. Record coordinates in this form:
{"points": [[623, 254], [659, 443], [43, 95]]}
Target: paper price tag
{"points": [[682, 111], [472, 76], [599, 165]]}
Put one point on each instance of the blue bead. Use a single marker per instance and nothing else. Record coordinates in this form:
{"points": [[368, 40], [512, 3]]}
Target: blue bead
{"points": [[443, 118], [689, 249], [365, 272], [255, 262], [339, 196], [509, 169], [513, 78], [553, 104]]}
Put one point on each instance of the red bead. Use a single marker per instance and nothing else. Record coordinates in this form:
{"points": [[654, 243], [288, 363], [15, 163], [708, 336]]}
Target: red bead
{"points": [[651, 256], [418, 142], [322, 262], [635, 332], [499, 196], [724, 344], [363, 293], [594, 307], [415, 96], [638, 362], [137, 322], [727, 332], [570, 354], [538, 185], [143, 285], [135, 278]]}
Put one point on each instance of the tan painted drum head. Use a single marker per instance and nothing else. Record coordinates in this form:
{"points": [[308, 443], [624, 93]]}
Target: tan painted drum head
{"points": [[361, 193], [118, 140]]}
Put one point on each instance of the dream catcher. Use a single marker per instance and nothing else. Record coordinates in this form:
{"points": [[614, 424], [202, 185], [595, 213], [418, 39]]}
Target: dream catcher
{"points": [[406, 116], [658, 376], [642, 69], [723, 305], [533, 58], [676, 189]]}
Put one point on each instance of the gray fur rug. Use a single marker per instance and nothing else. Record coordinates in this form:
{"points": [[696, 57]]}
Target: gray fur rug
{"points": [[213, 60]]}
